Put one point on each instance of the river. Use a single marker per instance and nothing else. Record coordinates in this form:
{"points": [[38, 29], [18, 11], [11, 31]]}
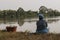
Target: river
{"points": [[29, 25]]}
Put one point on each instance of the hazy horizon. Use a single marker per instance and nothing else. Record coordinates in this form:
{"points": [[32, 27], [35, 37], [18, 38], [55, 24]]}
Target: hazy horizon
{"points": [[29, 4]]}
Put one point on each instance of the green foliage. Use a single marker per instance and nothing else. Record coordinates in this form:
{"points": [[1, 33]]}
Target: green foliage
{"points": [[49, 12], [21, 13]]}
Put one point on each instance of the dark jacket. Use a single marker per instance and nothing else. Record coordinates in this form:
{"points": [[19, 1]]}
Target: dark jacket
{"points": [[41, 24]]}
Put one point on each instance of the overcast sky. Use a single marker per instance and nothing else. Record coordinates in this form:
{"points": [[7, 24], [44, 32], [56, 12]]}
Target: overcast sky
{"points": [[29, 4]]}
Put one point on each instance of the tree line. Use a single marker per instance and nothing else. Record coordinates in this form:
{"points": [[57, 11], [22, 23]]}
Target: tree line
{"points": [[48, 12], [20, 13]]}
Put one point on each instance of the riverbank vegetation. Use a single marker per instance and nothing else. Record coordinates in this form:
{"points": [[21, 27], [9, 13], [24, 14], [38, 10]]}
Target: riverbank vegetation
{"points": [[21, 13]]}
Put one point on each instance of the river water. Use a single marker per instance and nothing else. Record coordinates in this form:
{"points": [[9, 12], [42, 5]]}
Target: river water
{"points": [[29, 25]]}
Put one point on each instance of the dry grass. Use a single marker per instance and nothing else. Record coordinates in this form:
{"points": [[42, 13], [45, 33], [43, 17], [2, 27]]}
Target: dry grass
{"points": [[27, 36]]}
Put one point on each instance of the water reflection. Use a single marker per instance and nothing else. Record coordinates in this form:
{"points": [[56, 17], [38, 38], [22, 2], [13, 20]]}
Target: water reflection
{"points": [[30, 24], [36, 19], [52, 20], [53, 25], [21, 22]]}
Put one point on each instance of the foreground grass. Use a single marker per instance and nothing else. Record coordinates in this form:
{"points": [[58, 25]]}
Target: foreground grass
{"points": [[27, 36]]}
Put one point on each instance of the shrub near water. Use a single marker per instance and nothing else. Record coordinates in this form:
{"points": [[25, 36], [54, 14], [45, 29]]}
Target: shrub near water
{"points": [[27, 36]]}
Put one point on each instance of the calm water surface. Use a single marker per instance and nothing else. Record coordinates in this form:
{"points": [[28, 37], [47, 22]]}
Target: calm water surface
{"points": [[29, 25]]}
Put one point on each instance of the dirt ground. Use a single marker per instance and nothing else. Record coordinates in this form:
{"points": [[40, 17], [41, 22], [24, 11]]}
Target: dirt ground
{"points": [[28, 36]]}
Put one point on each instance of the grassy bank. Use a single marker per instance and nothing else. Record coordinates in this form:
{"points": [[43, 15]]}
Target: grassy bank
{"points": [[27, 36]]}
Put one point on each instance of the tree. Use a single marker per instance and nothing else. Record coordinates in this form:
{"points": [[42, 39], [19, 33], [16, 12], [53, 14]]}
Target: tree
{"points": [[42, 9], [20, 12]]}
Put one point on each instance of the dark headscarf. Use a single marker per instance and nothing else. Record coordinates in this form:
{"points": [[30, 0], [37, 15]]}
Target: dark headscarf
{"points": [[41, 16]]}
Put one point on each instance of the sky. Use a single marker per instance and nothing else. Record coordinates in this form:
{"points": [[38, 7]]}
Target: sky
{"points": [[29, 4]]}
